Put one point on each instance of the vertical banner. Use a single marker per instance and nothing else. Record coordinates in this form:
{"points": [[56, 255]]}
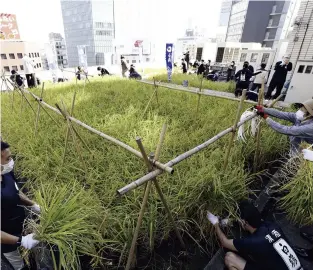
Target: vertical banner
{"points": [[169, 60], [52, 60], [82, 57]]}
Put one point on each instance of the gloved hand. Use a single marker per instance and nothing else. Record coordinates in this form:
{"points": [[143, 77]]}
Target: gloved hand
{"points": [[35, 208], [213, 219], [307, 154], [260, 111], [28, 241]]}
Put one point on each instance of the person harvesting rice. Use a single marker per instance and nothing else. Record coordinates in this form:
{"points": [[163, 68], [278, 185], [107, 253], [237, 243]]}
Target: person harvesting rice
{"points": [[12, 212], [301, 131]]}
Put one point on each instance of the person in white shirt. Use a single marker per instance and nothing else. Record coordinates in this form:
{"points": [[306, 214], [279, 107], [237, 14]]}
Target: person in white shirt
{"points": [[260, 78]]}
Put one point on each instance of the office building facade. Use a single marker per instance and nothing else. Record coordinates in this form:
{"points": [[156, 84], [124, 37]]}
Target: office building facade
{"points": [[89, 23], [264, 22], [59, 47]]}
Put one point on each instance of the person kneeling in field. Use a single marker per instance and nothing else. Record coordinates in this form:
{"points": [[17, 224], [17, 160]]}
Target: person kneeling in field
{"points": [[266, 247], [12, 213], [301, 131]]}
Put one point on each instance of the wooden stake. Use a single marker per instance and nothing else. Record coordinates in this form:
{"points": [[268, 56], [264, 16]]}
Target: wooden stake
{"points": [[234, 128], [38, 109], [199, 94], [68, 129], [156, 92], [258, 135], [44, 109], [130, 258]]}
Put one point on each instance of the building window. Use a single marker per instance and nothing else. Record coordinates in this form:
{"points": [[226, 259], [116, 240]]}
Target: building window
{"points": [[254, 57], [19, 55], [39, 64], [103, 33], [301, 69], [14, 68], [33, 55], [21, 67], [308, 69], [30, 55], [6, 68], [243, 57], [3, 56], [265, 58], [134, 61], [127, 61], [11, 55], [147, 59]]}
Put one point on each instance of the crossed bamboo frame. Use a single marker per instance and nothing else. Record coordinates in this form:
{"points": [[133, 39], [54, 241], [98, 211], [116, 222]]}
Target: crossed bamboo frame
{"points": [[154, 167]]}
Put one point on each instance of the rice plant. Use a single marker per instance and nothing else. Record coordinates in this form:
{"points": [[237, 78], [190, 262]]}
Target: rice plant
{"points": [[298, 189], [115, 107]]}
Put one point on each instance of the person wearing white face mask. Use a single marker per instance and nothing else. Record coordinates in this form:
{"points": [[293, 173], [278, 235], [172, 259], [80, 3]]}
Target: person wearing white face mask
{"points": [[301, 131], [12, 213]]}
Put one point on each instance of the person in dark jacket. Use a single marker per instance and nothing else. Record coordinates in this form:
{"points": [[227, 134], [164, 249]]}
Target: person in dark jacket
{"points": [[15, 77], [12, 213], [133, 74], [266, 248], [243, 77], [184, 66], [251, 68], [124, 66], [230, 71], [279, 78], [103, 71], [201, 68], [187, 58]]}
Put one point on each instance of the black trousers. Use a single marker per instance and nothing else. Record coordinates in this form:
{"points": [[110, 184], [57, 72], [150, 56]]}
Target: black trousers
{"points": [[30, 80], [274, 84], [255, 86]]}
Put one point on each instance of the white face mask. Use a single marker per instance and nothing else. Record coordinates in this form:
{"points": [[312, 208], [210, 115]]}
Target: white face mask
{"points": [[300, 115], [6, 168]]}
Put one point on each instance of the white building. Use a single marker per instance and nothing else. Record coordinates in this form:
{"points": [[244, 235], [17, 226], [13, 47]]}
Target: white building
{"points": [[59, 47], [144, 55], [300, 50]]}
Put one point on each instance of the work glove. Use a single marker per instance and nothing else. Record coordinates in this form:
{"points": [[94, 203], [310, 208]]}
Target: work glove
{"points": [[35, 208], [260, 111], [213, 219], [28, 241], [307, 154]]}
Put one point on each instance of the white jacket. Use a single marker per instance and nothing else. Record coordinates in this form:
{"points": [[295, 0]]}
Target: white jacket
{"points": [[28, 65], [261, 76]]}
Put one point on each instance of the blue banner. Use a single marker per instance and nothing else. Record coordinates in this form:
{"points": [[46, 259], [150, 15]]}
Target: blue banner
{"points": [[169, 60]]}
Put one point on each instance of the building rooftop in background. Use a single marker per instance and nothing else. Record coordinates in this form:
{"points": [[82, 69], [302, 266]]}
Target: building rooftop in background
{"points": [[8, 27]]}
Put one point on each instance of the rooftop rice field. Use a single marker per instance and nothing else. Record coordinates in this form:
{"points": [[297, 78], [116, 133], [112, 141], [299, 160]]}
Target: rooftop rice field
{"points": [[85, 186]]}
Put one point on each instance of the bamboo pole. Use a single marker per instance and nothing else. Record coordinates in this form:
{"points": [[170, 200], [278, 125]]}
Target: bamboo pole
{"points": [[234, 129], [68, 128], [199, 94], [217, 95], [147, 106], [105, 136], [180, 158], [71, 127], [44, 109], [146, 194], [156, 92], [38, 108], [258, 135]]}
